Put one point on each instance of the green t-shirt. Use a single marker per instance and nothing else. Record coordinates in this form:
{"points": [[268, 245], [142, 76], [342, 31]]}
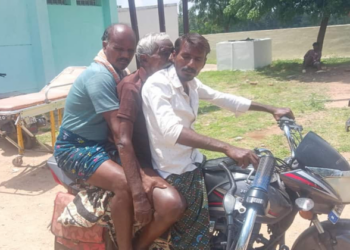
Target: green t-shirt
{"points": [[93, 93]]}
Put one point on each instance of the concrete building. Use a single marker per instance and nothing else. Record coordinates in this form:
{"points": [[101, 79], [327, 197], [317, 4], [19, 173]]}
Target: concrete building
{"points": [[39, 38], [148, 21]]}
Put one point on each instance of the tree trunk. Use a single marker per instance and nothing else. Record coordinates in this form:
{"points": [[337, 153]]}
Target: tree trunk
{"points": [[322, 31], [227, 28]]}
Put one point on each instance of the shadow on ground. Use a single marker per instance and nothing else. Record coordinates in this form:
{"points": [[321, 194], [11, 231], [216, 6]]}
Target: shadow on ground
{"points": [[334, 70], [32, 181], [7, 149]]}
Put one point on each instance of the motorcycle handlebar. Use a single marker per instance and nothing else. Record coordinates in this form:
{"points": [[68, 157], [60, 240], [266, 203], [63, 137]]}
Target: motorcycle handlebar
{"points": [[290, 123], [265, 170], [230, 162], [289, 127], [256, 199]]}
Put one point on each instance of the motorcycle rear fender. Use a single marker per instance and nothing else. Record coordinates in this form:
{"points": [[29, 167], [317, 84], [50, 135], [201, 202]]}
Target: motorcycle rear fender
{"points": [[65, 180]]}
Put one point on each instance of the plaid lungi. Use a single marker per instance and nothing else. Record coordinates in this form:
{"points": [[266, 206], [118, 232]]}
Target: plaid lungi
{"points": [[192, 231]]}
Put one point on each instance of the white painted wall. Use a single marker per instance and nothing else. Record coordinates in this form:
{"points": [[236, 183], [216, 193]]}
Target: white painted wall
{"points": [[148, 22]]}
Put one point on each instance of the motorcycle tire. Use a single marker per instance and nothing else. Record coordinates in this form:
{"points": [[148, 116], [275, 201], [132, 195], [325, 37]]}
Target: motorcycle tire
{"points": [[310, 238]]}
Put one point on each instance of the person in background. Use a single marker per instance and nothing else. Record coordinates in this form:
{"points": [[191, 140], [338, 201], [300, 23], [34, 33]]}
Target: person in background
{"points": [[312, 58]]}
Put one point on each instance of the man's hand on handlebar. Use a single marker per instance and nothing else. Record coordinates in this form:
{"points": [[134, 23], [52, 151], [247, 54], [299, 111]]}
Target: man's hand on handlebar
{"points": [[242, 156], [275, 111], [280, 112]]}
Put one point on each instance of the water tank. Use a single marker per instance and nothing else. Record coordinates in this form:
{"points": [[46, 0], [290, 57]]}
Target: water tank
{"points": [[246, 54]]}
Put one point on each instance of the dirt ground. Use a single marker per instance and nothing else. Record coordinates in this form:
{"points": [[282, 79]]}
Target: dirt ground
{"points": [[27, 193]]}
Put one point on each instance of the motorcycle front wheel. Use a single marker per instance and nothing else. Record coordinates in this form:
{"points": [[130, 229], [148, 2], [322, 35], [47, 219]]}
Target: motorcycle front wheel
{"points": [[338, 237]]}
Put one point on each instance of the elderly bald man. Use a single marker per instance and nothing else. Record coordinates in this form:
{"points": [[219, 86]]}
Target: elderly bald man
{"points": [[82, 147]]}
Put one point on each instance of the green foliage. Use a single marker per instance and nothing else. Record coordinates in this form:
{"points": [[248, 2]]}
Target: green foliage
{"points": [[210, 17], [211, 14], [206, 17], [286, 10]]}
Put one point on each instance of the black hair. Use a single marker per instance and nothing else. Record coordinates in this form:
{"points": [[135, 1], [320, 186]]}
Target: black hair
{"points": [[194, 39], [105, 36]]}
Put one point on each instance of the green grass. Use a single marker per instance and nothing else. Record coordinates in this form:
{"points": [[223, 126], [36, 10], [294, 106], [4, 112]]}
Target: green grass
{"points": [[44, 135], [280, 84], [330, 124], [275, 88], [291, 43], [288, 69]]}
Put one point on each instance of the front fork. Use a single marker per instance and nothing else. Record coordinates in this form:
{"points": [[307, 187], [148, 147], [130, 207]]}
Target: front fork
{"points": [[325, 239]]}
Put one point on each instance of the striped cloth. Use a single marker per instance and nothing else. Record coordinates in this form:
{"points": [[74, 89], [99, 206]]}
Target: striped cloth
{"points": [[102, 59]]}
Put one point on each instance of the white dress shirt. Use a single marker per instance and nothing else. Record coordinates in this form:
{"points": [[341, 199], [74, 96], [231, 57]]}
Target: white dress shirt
{"points": [[167, 109]]}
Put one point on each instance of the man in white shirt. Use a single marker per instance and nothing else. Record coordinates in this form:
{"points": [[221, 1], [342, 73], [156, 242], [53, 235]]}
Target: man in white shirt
{"points": [[170, 104]]}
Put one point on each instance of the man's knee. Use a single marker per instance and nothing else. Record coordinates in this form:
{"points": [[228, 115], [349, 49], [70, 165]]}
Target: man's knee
{"points": [[169, 204], [121, 191]]}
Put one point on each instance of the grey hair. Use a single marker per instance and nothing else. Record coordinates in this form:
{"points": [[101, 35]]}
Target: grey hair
{"points": [[148, 44]]}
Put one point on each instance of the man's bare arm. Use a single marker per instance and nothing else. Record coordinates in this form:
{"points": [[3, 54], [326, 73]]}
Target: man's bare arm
{"points": [[276, 112], [244, 157], [122, 130]]}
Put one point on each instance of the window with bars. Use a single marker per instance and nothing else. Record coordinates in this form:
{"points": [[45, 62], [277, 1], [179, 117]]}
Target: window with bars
{"points": [[58, 2], [88, 2]]}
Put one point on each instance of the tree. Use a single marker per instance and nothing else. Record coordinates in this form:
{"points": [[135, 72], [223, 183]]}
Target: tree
{"points": [[287, 10], [199, 23], [210, 13]]}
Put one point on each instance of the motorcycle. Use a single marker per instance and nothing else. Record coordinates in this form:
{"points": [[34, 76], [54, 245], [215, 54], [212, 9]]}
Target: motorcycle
{"points": [[312, 181]]}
